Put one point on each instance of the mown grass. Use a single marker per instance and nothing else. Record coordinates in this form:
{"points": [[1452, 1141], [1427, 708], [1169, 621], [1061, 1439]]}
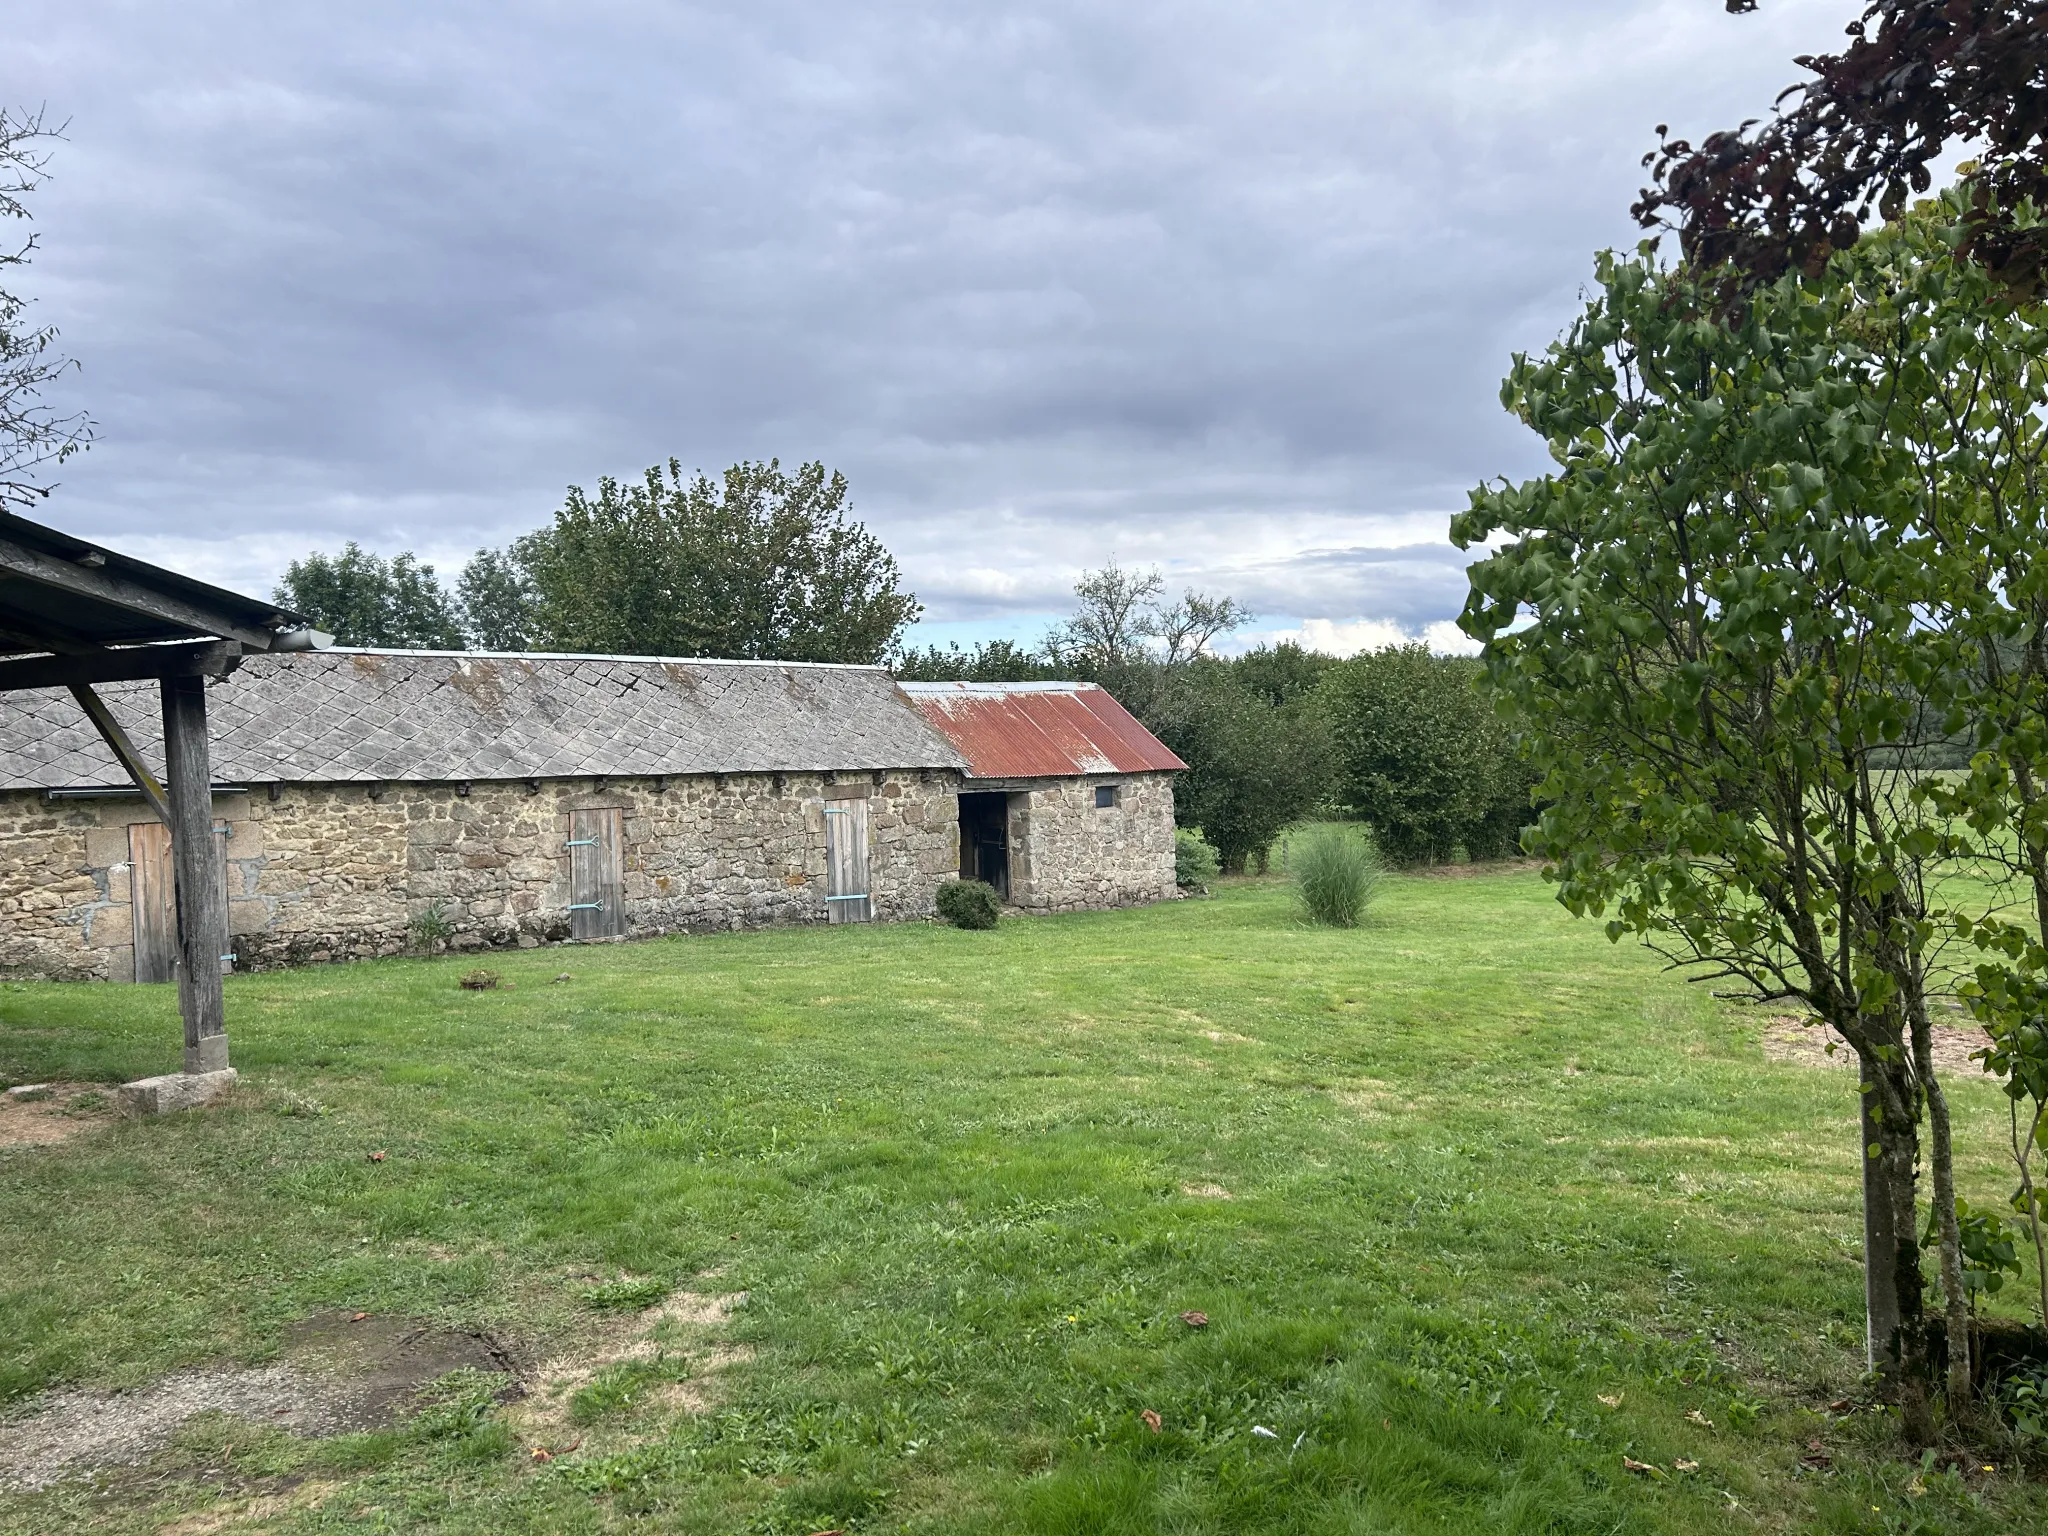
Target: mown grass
{"points": [[1483, 1170]]}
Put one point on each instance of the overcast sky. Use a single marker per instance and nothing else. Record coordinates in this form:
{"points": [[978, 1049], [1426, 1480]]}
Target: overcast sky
{"points": [[1222, 288]]}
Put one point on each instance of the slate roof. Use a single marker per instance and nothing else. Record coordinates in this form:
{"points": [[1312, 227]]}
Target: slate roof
{"points": [[345, 716], [1041, 730]]}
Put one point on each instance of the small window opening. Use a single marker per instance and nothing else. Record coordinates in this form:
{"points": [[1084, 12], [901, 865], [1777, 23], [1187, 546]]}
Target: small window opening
{"points": [[1106, 797]]}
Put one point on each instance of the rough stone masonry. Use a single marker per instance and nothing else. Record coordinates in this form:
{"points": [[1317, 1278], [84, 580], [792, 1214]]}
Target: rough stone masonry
{"points": [[342, 872]]}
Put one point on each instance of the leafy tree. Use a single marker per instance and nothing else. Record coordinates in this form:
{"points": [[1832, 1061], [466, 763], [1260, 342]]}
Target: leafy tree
{"points": [[32, 435], [1975, 430], [1282, 673], [760, 563], [497, 607], [1119, 615], [1862, 137], [364, 599], [1185, 626], [1723, 581], [1110, 625], [1422, 759], [1254, 766]]}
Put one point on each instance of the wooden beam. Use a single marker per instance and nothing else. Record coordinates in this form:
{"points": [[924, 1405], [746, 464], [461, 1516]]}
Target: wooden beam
{"points": [[202, 904], [197, 658], [99, 584], [123, 748]]}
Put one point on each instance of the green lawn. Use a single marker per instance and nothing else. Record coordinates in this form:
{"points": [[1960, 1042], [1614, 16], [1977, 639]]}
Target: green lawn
{"points": [[1482, 1168]]}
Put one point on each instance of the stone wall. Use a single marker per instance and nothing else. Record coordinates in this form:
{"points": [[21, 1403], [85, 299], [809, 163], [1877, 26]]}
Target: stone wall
{"points": [[1067, 854], [332, 872]]}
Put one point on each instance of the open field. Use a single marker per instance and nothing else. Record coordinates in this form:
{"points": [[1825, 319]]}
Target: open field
{"points": [[1476, 1205]]}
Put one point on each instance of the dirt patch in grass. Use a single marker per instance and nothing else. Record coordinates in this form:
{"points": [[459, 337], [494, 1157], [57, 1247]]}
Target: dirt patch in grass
{"points": [[1792, 1037], [340, 1372], [258, 1513], [43, 1114], [688, 1323], [1369, 1098]]}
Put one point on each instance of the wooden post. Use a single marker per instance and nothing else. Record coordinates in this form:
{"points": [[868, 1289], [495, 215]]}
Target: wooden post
{"points": [[202, 908]]}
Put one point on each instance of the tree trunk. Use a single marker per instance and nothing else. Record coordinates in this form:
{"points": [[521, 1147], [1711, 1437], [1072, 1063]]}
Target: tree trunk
{"points": [[1954, 1299], [1895, 1341]]}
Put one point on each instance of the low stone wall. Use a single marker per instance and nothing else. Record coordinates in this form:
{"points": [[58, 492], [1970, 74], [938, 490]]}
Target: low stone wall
{"points": [[1067, 854], [334, 872]]}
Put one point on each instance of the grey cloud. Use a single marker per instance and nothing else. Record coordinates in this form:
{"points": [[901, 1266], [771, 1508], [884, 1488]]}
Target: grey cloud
{"points": [[1225, 287]]}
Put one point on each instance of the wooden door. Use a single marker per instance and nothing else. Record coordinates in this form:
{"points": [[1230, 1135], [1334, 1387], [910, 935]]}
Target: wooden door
{"points": [[597, 874], [153, 894], [847, 897]]}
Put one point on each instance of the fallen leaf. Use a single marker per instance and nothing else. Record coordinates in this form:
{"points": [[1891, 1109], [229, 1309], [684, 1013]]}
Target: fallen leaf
{"points": [[376, 1157], [1841, 1405], [1195, 1319], [1611, 1402], [1686, 1466], [1630, 1464], [1152, 1420], [358, 1317], [1694, 1416], [1386, 1424]]}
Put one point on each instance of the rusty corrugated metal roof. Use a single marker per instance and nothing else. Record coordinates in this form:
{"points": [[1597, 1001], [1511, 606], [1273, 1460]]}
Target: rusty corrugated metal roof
{"points": [[1040, 730]]}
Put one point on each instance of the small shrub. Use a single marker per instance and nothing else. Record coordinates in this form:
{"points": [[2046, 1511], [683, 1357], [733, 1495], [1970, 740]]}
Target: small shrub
{"points": [[480, 981], [1194, 861], [969, 904], [1336, 873], [432, 927]]}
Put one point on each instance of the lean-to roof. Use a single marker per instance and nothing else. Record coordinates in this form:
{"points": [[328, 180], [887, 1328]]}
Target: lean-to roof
{"points": [[1040, 730], [345, 716]]}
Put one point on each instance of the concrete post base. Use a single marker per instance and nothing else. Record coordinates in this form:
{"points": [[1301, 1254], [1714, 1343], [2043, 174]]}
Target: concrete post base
{"points": [[175, 1091], [208, 1056]]}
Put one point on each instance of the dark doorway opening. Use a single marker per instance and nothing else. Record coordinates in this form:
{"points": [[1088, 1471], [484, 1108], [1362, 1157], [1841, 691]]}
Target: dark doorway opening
{"points": [[985, 840]]}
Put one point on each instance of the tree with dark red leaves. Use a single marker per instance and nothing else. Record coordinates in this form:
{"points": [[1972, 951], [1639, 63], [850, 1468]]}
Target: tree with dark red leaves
{"points": [[1861, 136]]}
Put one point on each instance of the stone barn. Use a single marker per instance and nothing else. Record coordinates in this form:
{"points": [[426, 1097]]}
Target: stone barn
{"points": [[371, 801], [1068, 800]]}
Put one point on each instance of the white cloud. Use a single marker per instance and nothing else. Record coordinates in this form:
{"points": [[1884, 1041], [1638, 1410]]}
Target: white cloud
{"points": [[1226, 288], [1347, 637]]}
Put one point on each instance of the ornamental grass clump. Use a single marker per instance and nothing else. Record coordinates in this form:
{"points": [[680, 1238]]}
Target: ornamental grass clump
{"points": [[1336, 873], [969, 904]]}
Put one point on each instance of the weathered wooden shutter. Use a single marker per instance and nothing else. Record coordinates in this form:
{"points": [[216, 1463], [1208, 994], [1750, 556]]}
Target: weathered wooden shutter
{"points": [[153, 896], [847, 896], [597, 874]]}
